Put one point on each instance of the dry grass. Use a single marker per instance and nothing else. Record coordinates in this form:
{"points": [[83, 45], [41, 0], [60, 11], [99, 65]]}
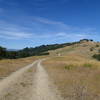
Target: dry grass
{"points": [[82, 49], [77, 78], [8, 66]]}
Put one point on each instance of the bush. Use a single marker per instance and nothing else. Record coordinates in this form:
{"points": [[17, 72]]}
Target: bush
{"points": [[97, 45], [91, 49], [99, 50], [69, 67], [2, 52], [11, 54], [96, 56], [91, 40]]}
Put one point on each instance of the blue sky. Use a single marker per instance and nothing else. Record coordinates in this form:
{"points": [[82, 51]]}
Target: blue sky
{"points": [[35, 22]]}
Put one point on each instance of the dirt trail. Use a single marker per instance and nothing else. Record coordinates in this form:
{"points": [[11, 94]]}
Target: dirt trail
{"points": [[44, 89], [29, 83]]}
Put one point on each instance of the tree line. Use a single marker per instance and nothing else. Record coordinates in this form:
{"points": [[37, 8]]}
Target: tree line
{"points": [[27, 52], [37, 51]]}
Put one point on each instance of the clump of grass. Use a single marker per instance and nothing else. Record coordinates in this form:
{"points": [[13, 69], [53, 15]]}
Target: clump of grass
{"points": [[23, 84], [8, 94], [30, 70], [87, 65], [69, 67], [91, 49]]}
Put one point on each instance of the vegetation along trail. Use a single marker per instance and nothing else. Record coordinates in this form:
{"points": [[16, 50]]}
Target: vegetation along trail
{"points": [[29, 83]]}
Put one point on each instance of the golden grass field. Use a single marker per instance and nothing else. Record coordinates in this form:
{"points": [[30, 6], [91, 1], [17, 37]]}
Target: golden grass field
{"points": [[75, 72], [7, 66], [81, 49], [75, 77]]}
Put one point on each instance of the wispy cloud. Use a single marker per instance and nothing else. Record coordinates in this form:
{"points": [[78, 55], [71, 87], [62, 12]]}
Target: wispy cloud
{"points": [[50, 22], [61, 27], [63, 35], [13, 31], [14, 35], [9, 31], [73, 35]]}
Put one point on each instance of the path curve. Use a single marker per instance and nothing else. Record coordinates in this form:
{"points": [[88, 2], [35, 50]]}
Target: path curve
{"points": [[25, 84]]}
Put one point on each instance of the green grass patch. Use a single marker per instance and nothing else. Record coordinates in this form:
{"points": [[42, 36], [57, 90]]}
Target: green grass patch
{"points": [[30, 70], [87, 65], [69, 67]]}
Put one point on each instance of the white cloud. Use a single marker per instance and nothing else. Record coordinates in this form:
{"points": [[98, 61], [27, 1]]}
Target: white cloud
{"points": [[72, 35], [61, 34], [13, 31], [9, 31], [15, 35], [51, 22]]}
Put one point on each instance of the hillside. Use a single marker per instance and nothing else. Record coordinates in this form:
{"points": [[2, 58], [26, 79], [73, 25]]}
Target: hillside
{"points": [[75, 72], [82, 48]]}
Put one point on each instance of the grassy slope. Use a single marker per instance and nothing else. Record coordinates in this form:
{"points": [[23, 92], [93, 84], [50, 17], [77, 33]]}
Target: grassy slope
{"points": [[75, 73], [81, 49]]}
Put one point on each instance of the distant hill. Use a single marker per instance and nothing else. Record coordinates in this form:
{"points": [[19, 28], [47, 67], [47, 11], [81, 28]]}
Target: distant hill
{"points": [[83, 45], [83, 48]]}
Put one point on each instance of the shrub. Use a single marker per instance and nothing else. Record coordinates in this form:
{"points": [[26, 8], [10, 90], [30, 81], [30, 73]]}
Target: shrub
{"points": [[97, 45], [96, 56], [2, 52], [99, 51], [69, 67], [91, 49], [91, 40]]}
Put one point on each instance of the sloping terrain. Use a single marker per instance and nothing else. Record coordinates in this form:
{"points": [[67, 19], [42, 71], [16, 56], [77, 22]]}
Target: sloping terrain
{"points": [[69, 73], [75, 72], [84, 49]]}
